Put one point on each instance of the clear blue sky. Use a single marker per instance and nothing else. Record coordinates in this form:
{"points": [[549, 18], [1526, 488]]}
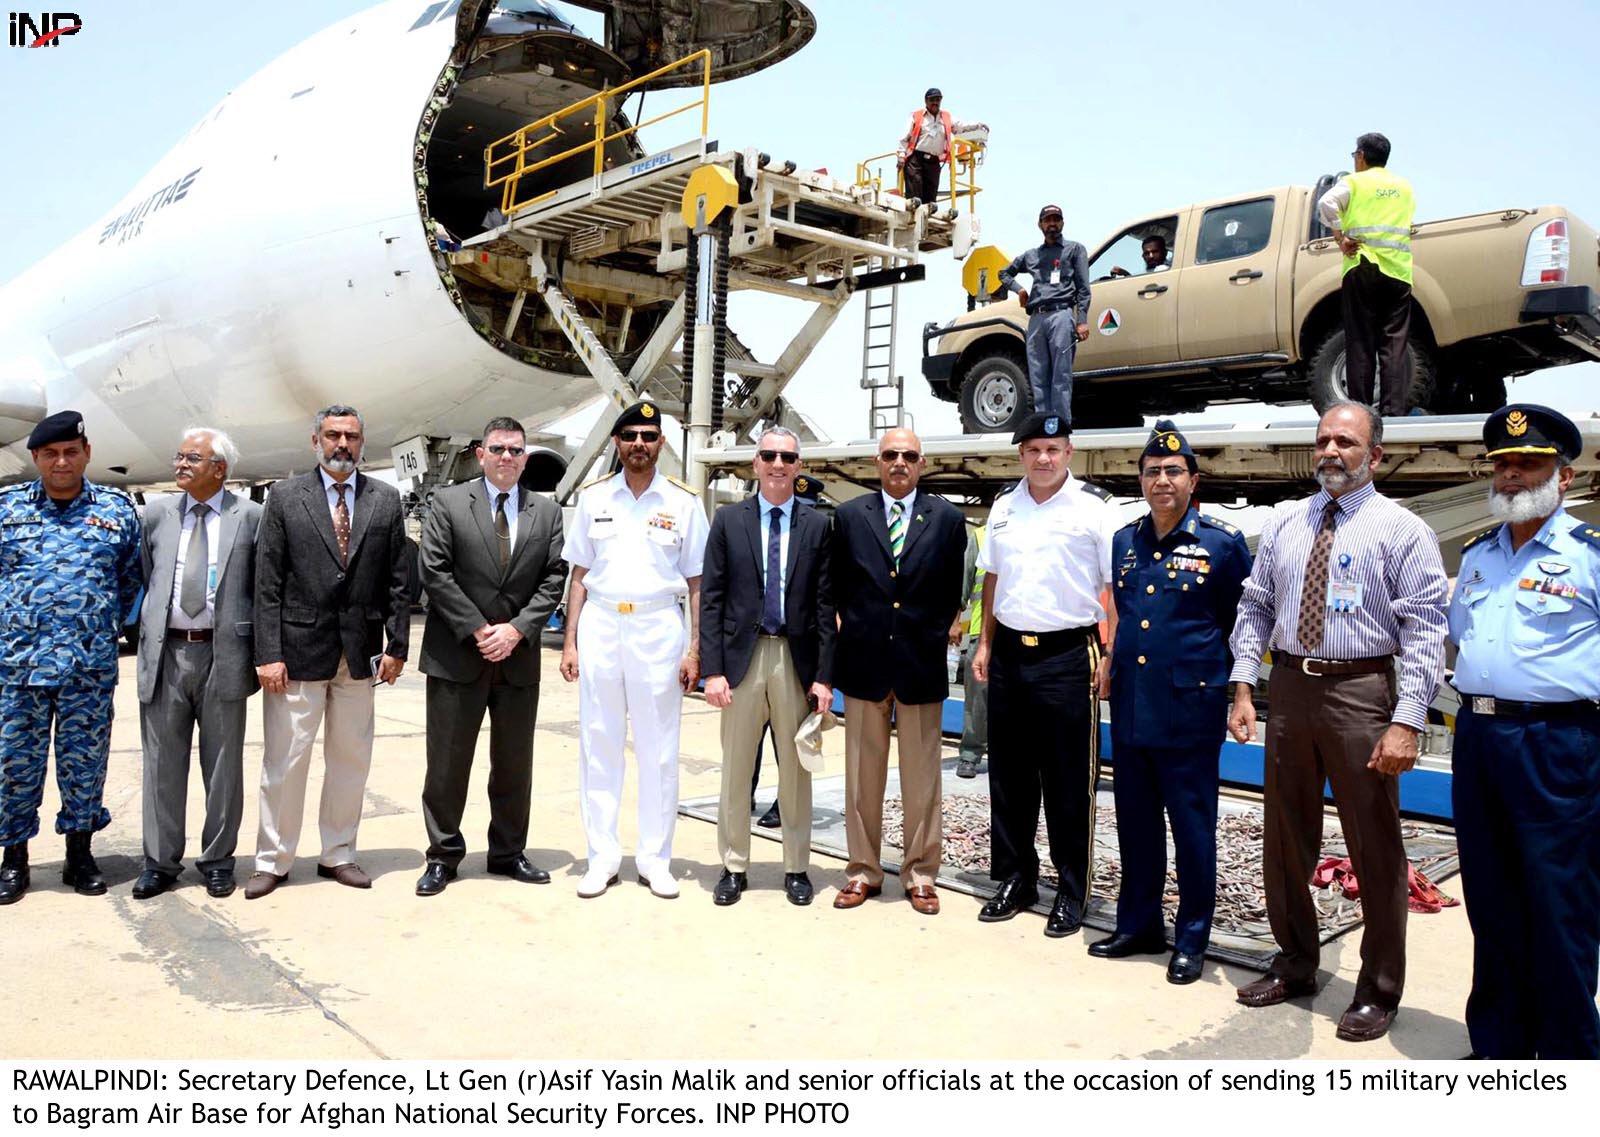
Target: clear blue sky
{"points": [[1112, 110]]}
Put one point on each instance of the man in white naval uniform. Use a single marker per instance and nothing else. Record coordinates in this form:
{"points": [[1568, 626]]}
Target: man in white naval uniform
{"points": [[636, 547]]}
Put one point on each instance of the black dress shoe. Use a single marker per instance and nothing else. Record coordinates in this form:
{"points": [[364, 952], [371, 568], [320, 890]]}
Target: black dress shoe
{"points": [[729, 886], [797, 887], [1015, 894], [517, 868], [1122, 945], [151, 884], [434, 878], [219, 882], [771, 819], [1184, 968], [1066, 917], [14, 874]]}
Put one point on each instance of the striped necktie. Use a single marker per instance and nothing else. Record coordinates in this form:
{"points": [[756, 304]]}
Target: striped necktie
{"points": [[897, 530]]}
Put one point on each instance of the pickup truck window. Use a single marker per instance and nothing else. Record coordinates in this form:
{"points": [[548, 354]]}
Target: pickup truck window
{"points": [[1235, 230], [1126, 256]]}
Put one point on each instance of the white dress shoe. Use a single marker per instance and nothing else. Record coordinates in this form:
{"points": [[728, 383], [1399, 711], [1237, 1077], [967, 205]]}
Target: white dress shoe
{"points": [[595, 882], [661, 883]]}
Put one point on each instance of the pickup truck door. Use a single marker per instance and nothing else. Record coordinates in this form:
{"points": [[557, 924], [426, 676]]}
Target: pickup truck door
{"points": [[1230, 279], [1133, 316]]}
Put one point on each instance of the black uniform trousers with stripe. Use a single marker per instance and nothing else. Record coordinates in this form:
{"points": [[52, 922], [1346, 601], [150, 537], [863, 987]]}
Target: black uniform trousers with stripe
{"points": [[1044, 742]]}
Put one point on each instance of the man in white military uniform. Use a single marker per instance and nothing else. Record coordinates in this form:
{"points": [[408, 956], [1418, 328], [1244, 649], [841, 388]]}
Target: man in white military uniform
{"points": [[636, 547]]}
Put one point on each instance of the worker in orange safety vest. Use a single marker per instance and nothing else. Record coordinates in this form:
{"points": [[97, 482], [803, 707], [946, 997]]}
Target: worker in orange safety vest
{"points": [[924, 148]]}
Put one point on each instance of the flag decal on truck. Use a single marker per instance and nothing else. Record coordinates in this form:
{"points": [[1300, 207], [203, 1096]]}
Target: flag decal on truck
{"points": [[1110, 322]]}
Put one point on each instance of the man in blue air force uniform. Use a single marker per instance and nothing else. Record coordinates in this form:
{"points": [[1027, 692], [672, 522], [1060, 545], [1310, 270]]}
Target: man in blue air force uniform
{"points": [[1179, 575], [1526, 771], [69, 575]]}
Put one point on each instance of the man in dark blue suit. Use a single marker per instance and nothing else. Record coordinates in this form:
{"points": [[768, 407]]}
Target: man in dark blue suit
{"points": [[1179, 575], [898, 560], [766, 645]]}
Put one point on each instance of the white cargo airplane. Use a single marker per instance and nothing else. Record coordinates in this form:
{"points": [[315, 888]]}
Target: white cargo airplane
{"points": [[282, 256]]}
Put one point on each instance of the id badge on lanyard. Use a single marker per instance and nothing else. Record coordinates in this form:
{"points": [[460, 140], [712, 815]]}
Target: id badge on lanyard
{"points": [[1344, 594], [1055, 273]]}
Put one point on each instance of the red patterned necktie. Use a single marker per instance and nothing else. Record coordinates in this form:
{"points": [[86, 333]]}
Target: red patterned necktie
{"points": [[1314, 593], [341, 523]]}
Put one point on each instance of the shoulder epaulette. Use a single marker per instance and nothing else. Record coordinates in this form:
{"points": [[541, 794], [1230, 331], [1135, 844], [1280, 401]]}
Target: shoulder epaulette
{"points": [[1218, 523], [683, 485], [15, 486], [1487, 533], [1134, 524], [1009, 489], [1587, 533], [1098, 491], [597, 481]]}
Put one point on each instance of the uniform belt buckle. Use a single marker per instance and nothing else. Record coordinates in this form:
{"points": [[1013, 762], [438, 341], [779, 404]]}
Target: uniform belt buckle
{"points": [[1483, 704], [625, 607], [1030, 641]]}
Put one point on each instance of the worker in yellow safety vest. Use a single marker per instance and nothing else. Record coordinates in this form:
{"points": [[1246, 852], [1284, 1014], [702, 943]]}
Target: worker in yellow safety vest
{"points": [[1370, 213], [924, 148], [975, 695]]}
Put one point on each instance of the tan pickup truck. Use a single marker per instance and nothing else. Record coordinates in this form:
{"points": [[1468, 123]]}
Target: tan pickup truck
{"points": [[1245, 308]]}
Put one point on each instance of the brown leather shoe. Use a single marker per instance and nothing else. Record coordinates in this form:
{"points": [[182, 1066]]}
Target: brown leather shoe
{"points": [[1272, 990], [348, 874], [261, 883], [855, 893], [1363, 1022], [924, 899]]}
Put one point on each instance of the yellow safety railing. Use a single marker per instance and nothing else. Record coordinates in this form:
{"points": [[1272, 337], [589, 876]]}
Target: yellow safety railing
{"points": [[965, 157], [508, 160]]}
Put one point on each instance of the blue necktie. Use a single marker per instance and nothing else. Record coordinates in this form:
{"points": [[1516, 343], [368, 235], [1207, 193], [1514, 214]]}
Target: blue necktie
{"points": [[772, 600]]}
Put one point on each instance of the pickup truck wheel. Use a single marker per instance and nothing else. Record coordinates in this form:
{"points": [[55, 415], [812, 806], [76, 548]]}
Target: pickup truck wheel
{"points": [[1327, 373], [995, 396]]}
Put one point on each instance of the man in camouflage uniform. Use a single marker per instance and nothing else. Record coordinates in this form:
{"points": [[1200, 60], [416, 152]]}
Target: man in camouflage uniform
{"points": [[69, 575]]}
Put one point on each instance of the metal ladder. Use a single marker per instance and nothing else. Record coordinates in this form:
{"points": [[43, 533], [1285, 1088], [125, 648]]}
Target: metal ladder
{"points": [[878, 374]]}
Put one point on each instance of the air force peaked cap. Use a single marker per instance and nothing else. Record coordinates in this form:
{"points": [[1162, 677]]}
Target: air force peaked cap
{"points": [[63, 426], [1166, 441], [1527, 428], [808, 489]]}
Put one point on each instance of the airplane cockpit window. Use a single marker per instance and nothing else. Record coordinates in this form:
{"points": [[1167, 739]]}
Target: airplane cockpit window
{"points": [[1138, 250], [1235, 230]]}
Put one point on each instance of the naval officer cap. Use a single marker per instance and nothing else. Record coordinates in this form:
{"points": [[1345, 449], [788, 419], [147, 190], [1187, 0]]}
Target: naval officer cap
{"points": [[1527, 428], [63, 426], [642, 413], [1167, 442], [808, 489], [1041, 426]]}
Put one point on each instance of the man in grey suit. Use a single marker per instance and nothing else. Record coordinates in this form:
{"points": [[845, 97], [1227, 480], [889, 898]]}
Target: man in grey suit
{"points": [[332, 593], [491, 562], [196, 660]]}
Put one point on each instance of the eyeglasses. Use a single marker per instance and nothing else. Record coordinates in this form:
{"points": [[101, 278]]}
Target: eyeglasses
{"points": [[911, 456], [639, 435], [500, 448], [787, 457], [181, 459], [1171, 473]]}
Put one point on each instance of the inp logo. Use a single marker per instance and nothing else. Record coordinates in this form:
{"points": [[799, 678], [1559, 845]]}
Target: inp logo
{"points": [[48, 31]]}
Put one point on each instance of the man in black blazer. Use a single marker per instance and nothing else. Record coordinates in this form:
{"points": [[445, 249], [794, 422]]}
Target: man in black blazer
{"points": [[766, 650], [491, 562], [898, 559], [332, 593]]}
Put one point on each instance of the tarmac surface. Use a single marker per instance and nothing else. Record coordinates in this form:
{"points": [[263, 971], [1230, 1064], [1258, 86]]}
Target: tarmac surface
{"points": [[494, 968]]}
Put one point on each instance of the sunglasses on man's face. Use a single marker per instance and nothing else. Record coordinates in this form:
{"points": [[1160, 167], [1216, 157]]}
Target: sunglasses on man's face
{"points": [[500, 448], [787, 457], [910, 456], [639, 435]]}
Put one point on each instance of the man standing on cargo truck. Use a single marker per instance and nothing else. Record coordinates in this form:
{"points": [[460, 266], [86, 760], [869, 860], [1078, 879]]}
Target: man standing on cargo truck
{"points": [[1058, 312], [1370, 213], [924, 149], [1526, 784]]}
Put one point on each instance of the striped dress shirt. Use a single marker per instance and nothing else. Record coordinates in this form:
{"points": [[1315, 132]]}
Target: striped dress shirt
{"points": [[1387, 550]]}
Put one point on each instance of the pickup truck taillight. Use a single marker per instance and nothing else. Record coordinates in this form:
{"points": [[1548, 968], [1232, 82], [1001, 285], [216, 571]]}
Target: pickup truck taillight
{"points": [[1549, 253]]}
